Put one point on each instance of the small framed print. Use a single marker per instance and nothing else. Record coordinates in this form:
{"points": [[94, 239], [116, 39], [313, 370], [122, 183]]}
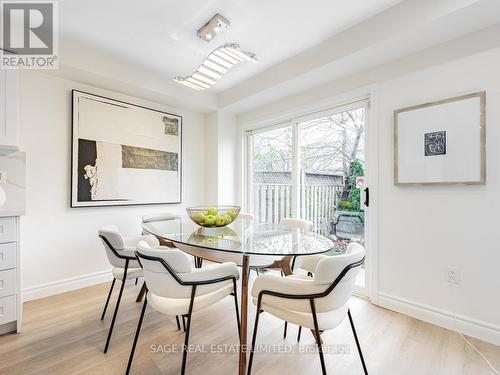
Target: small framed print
{"points": [[441, 142]]}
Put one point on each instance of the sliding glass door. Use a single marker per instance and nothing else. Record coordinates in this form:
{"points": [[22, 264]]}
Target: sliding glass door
{"points": [[271, 175], [313, 167]]}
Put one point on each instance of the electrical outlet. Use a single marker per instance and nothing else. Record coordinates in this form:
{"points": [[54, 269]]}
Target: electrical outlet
{"points": [[453, 275]]}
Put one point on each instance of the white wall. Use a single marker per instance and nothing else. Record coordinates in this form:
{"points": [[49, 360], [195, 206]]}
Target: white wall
{"points": [[59, 245], [422, 231], [425, 230], [222, 159]]}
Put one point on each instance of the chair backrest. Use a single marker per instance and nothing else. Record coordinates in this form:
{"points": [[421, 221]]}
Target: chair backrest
{"points": [[304, 225], [160, 280], [114, 239], [246, 216], [159, 217], [329, 274], [352, 247]]}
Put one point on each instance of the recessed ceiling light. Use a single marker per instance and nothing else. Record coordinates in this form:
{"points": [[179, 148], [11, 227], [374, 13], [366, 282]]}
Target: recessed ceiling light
{"points": [[217, 63]]}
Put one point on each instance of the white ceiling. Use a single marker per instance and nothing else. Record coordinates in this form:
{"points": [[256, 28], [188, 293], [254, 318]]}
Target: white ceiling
{"points": [[160, 35], [137, 47]]}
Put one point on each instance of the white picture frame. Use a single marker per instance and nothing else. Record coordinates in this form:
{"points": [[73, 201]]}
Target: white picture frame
{"points": [[441, 142], [124, 154]]}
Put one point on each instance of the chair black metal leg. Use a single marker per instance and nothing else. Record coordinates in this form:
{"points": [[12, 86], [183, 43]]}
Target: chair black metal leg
{"points": [[107, 299], [357, 341], [186, 335], [184, 322], [281, 272], [136, 279], [257, 271], [198, 262], [293, 263], [235, 294], [141, 292], [286, 328], [116, 307], [298, 335], [177, 320], [317, 336], [136, 335], [254, 336]]}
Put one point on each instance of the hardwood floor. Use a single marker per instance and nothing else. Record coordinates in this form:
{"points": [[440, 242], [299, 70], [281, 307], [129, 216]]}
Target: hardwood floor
{"points": [[63, 334]]}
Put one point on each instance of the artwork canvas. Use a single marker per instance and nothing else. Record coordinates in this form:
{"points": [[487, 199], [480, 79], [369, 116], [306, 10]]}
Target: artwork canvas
{"points": [[124, 154], [441, 142], [435, 143]]}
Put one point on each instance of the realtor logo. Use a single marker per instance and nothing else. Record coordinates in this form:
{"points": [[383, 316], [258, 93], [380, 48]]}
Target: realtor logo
{"points": [[29, 35]]}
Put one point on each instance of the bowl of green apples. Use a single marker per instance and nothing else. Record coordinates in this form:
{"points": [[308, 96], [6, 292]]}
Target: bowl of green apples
{"points": [[210, 217]]}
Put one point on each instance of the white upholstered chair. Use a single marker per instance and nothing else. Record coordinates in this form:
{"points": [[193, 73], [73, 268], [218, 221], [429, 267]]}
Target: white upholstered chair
{"points": [[318, 302], [159, 216], [176, 288], [310, 262], [246, 216], [304, 225], [120, 253]]}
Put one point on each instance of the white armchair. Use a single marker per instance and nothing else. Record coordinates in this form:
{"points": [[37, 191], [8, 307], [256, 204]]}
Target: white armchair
{"points": [[318, 303], [176, 288], [120, 253], [310, 262], [303, 225]]}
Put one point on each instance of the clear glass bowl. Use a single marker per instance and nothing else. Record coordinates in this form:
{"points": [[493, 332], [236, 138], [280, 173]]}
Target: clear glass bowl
{"points": [[213, 216]]}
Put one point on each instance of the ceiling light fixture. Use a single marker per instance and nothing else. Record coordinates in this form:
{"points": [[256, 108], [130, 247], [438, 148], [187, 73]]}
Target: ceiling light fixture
{"points": [[216, 24], [217, 63]]}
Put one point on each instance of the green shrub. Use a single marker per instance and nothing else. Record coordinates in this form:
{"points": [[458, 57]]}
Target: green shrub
{"points": [[353, 201]]}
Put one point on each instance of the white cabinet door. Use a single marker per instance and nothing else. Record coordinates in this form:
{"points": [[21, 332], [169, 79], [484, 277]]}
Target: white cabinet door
{"points": [[8, 111]]}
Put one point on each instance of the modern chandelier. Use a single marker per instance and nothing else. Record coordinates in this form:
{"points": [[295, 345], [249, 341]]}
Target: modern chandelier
{"points": [[215, 65]]}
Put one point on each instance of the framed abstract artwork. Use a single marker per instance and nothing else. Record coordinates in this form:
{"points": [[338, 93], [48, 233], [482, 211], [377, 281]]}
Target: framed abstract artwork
{"points": [[441, 142], [124, 154]]}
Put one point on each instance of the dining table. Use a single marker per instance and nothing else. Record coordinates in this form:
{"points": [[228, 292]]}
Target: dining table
{"points": [[247, 243]]}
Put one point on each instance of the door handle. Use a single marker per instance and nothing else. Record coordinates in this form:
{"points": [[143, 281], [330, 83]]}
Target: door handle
{"points": [[367, 197]]}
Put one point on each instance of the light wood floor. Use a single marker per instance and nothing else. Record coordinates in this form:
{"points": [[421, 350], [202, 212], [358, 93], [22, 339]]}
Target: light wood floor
{"points": [[63, 335]]}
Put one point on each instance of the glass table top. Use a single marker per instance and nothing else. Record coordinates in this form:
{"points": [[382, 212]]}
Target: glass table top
{"points": [[242, 236]]}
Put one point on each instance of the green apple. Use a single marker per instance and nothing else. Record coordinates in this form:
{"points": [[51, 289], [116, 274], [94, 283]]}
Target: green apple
{"points": [[209, 220], [232, 213], [220, 220], [212, 211], [228, 218], [198, 217]]}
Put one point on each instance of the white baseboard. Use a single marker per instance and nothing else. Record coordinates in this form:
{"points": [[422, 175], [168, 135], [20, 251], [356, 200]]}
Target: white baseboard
{"points": [[65, 285], [468, 326]]}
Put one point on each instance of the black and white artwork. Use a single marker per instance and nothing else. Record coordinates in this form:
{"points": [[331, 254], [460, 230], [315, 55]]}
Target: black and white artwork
{"points": [[441, 142], [435, 143], [124, 154]]}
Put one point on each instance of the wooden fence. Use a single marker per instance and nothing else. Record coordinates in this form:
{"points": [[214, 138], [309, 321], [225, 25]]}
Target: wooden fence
{"points": [[272, 202]]}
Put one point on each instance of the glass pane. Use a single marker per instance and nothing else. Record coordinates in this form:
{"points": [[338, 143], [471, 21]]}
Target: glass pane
{"points": [[272, 175], [332, 160]]}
